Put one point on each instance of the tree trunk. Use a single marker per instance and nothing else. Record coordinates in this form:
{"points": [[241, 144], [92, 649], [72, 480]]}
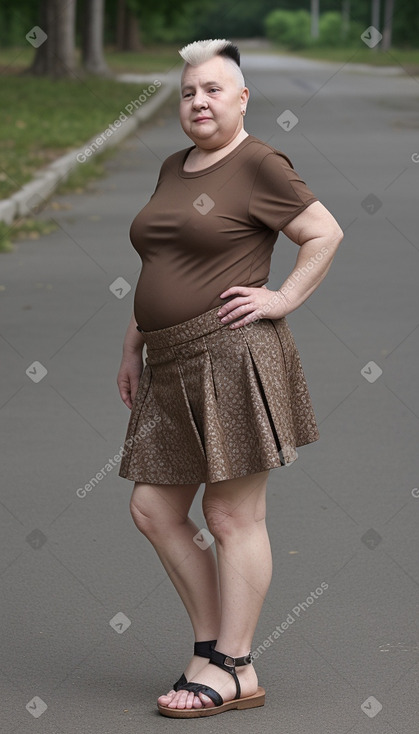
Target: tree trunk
{"points": [[120, 24], [375, 17], [132, 33], [346, 18], [56, 55], [314, 31], [388, 25], [127, 29], [93, 58]]}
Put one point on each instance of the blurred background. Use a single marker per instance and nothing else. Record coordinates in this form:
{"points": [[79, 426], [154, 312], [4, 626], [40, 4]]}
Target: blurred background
{"points": [[132, 25], [47, 88]]}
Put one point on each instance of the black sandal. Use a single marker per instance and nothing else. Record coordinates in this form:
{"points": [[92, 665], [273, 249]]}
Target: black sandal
{"points": [[228, 663], [203, 650]]}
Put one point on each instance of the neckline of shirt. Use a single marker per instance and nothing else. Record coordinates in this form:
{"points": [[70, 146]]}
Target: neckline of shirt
{"points": [[203, 171]]}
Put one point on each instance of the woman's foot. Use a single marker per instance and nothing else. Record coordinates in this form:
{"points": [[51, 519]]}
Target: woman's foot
{"points": [[217, 678], [195, 666]]}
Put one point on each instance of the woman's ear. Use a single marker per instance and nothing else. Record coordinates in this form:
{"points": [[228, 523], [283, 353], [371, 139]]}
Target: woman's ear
{"points": [[244, 96]]}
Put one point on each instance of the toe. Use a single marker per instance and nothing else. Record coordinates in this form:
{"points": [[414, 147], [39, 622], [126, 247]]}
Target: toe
{"points": [[173, 702], [206, 701], [185, 700], [179, 701], [164, 700], [166, 697]]}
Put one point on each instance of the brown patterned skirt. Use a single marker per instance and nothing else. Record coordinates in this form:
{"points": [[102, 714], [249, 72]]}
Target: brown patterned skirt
{"points": [[216, 403]]}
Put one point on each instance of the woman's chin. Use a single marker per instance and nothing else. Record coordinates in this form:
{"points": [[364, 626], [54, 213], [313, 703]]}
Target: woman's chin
{"points": [[204, 141], [204, 131]]}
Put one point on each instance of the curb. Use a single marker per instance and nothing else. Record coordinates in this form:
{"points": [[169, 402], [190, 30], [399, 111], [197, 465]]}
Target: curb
{"points": [[33, 195]]}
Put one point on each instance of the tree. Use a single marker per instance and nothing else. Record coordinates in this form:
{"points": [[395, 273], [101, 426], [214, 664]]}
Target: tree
{"points": [[56, 55], [375, 17], [314, 10], [346, 17], [93, 58], [127, 28], [388, 25]]}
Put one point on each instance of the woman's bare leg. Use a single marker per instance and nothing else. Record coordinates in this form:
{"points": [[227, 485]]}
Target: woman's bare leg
{"points": [[235, 514], [160, 512]]}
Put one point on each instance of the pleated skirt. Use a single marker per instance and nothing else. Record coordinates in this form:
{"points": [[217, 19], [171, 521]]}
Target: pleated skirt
{"points": [[215, 403]]}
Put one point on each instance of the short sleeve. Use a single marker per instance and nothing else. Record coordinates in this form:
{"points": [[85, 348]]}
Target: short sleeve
{"points": [[278, 193]]}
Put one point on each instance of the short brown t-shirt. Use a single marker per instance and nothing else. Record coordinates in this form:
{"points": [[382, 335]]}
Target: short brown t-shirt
{"points": [[205, 231]]}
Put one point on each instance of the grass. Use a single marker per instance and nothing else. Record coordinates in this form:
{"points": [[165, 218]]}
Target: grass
{"points": [[42, 119], [154, 58]]}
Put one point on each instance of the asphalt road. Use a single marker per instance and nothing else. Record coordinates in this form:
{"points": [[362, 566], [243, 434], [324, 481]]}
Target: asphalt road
{"points": [[92, 628]]}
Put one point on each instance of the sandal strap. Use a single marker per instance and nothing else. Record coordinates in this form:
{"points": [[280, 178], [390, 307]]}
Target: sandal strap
{"points": [[203, 649], [179, 683], [201, 688], [228, 663]]}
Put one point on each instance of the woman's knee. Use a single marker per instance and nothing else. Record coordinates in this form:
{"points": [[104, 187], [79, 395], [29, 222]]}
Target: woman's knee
{"points": [[153, 508], [142, 511], [235, 507], [226, 523], [220, 522]]}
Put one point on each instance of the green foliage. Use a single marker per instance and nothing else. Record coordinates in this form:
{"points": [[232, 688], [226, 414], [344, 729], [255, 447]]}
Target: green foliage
{"points": [[277, 25], [330, 29], [156, 27], [179, 21], [406, 24], [289, 28], [15, 22], [232, 18], [332, 33]]}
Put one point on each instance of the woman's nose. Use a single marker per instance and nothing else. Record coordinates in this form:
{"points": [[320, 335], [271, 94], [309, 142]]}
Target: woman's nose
{"points": [[199, 100]]}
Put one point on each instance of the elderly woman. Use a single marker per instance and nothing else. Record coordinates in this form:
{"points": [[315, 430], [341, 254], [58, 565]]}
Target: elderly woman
{"points": [[222, 398]]}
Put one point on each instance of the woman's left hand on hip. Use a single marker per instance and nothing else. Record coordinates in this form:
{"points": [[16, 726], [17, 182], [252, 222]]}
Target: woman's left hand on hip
{"points": [[251, 304]]}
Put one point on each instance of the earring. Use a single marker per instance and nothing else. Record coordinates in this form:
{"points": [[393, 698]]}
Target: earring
{"points": [[243, 112]]}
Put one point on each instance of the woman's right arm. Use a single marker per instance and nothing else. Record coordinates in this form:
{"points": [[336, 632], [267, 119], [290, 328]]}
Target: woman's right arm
{"points": [[131, 364]]}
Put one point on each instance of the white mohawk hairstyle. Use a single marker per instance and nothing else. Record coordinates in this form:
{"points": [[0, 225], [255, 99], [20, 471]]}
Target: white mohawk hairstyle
{"points": [[199, 51]]}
